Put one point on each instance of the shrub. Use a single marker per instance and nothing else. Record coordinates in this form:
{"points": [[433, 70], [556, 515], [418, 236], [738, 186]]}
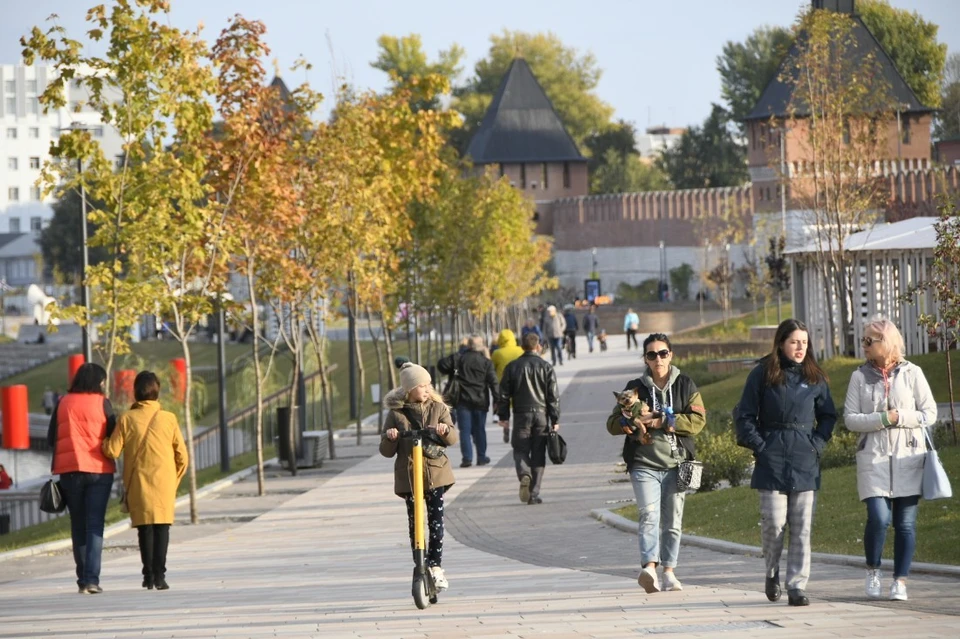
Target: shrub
{"points": [[722, 459], [841, 450]]}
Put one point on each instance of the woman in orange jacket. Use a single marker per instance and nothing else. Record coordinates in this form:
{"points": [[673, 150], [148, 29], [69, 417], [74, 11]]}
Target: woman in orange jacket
{"points": [[78, 426]]}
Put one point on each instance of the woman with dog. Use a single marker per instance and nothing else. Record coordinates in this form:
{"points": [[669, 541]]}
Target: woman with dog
{"points": [[659, 414]]}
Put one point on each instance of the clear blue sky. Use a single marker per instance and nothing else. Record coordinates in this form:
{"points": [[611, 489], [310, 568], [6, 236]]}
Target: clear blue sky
{"points": [[658, 56]]}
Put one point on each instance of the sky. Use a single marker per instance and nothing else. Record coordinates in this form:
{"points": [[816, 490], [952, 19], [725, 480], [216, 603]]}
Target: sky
{"points": [[658, 56]]}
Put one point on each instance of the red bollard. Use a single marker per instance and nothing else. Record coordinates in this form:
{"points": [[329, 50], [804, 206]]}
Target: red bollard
{"points": [[73, 363], [16, 418], [179, 378], [123, 386]]}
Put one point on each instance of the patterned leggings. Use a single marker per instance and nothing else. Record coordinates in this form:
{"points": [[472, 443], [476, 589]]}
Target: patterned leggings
{"points": [[434, 499]]}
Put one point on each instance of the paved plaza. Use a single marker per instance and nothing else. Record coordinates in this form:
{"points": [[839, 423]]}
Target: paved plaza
{"points": [[325, 554]]}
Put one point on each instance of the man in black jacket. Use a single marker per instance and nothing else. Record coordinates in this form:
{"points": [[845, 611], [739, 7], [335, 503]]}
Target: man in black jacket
{"points": [[478, 382], [530, 383]]}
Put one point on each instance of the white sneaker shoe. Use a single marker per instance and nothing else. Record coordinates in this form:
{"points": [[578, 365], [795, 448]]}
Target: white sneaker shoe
{"points": [[898, 591], [648, 579], [872, 583], [670, 582], [439, 579]]}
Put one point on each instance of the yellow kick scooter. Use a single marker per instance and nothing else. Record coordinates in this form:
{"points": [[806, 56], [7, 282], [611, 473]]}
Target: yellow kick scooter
{"points": [[424, 589]]}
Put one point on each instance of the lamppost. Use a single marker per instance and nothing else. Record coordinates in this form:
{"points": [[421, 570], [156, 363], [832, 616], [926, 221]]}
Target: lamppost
{"points": [[84, 287], [593, 272], [663, 287], [783, 206]]}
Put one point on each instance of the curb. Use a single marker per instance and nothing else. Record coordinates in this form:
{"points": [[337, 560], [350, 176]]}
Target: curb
{"points": [[729, 547], [121, 526]]}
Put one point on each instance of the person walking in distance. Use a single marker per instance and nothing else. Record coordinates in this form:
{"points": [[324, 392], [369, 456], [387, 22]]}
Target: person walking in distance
{"points": [[591, 326], [570, 332], [889, 404], [478, 383], [553, 330], [529, 384], [786, 417], [631, 324], [154, 462]]}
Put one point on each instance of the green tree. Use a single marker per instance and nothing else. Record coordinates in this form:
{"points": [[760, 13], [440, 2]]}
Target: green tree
{"points": [[404, 60], [568, 78], [911, 43], [60, 241], [746, 68], [948, 120], [619, 136], [627, 173], [706, 156]]}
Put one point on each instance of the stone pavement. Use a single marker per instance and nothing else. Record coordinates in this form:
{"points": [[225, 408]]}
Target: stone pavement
{"points": [[334, 561]]}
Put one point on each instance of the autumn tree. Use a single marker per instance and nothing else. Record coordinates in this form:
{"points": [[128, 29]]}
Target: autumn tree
{"points": [[746, 68], [403, 59], [948, 120], [838, 111]]}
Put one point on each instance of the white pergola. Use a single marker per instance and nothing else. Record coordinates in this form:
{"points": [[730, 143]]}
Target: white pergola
{"points": [[888, 259]]}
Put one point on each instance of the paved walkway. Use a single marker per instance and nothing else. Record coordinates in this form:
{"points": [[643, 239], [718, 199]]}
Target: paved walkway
{"points": [[334, 561]]}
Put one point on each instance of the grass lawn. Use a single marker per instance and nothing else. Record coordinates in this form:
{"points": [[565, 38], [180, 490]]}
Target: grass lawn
{"points": [[734, 515], [60, 528], [723, 395], [736, 329]]}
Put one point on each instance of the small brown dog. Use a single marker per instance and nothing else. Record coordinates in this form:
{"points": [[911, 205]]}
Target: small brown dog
{"points": [[636, 414]]}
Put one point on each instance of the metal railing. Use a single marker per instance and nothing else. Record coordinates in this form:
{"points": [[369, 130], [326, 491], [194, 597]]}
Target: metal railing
{"points": [[19, 509]]}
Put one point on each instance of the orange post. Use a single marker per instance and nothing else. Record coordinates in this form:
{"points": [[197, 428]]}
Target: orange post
{"points": [[16, 418], [179, 378], [73, 363], [123, 385]]}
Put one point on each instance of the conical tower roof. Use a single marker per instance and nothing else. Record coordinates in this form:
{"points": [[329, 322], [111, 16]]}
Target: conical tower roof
{"points": [[521, 124]]}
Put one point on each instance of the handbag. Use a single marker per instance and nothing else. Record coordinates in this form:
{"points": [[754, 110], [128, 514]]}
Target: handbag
{"points": [[689, 471], [122, 493], [51, 497], [936, 484], [556, 447]]}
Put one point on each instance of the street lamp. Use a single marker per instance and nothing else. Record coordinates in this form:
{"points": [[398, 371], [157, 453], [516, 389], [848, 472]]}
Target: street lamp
{"points": [[593, 252], [84, 287]]}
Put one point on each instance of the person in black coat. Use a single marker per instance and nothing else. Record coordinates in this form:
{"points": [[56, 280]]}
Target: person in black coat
{"points": [[570, 332], [529, 386], [786, 417], [478, 384]]}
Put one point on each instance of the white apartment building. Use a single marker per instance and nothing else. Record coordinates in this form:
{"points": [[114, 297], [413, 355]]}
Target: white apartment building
{"points": [[656, 140], [25, 136]]}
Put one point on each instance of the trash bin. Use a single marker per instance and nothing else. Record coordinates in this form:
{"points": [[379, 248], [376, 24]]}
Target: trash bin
{"points": [[4, 524], [283, 435]]}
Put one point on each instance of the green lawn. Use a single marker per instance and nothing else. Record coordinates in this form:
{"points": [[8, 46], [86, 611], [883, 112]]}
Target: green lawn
{"points": [[736, 329], [60, 528], [733, 515]]}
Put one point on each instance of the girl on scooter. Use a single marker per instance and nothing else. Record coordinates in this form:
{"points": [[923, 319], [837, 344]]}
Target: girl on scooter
{"points": [[417, 405]]}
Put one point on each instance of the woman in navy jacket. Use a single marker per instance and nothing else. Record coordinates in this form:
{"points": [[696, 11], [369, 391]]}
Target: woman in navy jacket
{"points": [[786, 417]]}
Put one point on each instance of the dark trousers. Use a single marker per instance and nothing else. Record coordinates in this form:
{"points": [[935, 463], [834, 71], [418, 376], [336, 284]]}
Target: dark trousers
{"points": [[571, 337], [529, 443], [556, 350], [87, 495], [434, 501], [632, 335], [154, 540]]}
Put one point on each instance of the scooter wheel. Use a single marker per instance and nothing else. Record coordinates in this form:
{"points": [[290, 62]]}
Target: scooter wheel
{"points": [[420, 592]]}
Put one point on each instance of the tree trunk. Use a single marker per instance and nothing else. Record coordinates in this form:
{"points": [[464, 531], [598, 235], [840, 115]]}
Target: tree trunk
{"points": [[376, 350], [258, 372], [353, 307], [188, 421], [953, 414]]}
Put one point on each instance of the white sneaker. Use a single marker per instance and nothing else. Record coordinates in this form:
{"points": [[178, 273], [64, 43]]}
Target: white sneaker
{"points": [[898, 591], [648, 579], [872, 583], [670, 582], [439, 579]]}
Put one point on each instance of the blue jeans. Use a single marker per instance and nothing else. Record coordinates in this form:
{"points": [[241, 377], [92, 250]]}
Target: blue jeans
{"points": [[902, 511], [472, 422], [660, 514], [590, 336], [556, 350], [87, 495]]}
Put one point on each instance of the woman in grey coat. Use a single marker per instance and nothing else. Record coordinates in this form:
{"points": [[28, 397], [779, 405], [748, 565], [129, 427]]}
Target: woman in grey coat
{"points": [[889, 403]]}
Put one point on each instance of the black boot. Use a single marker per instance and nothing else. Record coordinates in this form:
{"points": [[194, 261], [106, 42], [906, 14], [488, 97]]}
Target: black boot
{"points": [[772, 587], [797, 597]]}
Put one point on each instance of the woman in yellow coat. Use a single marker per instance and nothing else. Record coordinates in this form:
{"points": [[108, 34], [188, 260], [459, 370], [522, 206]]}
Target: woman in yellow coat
{"points": [[154, 462]]}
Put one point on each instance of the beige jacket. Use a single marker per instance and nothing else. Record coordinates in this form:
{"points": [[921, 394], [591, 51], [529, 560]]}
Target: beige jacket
{"points": [[889, 459]]}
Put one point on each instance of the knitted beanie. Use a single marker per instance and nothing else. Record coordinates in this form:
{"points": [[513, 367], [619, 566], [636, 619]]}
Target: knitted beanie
{"points": [[412, 375]]}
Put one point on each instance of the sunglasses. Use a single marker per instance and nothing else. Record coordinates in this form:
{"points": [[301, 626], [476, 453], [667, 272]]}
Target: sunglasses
{"points": [[869, 341], [652, 355]]}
